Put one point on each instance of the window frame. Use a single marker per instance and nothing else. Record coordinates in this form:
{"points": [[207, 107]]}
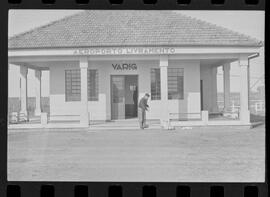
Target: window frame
{"points": [[157, 95], [178, 73], [73, 85], [96, 85], [69, 97]]}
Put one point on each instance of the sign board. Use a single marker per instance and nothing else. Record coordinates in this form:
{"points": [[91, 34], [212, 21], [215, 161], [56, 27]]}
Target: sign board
{"points": [[125, 51], [124, 66]]}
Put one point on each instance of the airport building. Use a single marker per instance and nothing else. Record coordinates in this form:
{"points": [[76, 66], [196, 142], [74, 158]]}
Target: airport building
{"points": [[102, 62]]}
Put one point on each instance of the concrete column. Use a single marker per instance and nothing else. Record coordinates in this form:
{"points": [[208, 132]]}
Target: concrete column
{"points": [[38, 92], [226, 82], [84, 116], [23, 92], [164, 115], [214, 90], [244, 89]]}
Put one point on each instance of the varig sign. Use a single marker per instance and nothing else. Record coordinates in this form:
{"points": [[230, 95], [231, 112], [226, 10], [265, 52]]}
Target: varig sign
{"points": [[125, 51], [124, 66]]}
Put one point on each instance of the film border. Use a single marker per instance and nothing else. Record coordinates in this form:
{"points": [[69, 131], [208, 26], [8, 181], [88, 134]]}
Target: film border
{"points": [[128, 189]]}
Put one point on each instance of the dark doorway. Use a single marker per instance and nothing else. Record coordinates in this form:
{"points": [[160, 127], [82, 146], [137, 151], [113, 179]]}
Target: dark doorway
{"points": [[124, 96], [201, 84]]}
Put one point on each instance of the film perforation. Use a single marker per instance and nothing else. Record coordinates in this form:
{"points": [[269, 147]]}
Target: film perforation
{"points": [[82, 1], [116, 1], [217, 191], [184, 2], [47, 191], [180, 2], [218, 2], [13, 191], [15, 1], [48, 1], [81, 191], [251, 191], [115, 191], [183, 191], [149, 191], [150, 1], [252, 2]]}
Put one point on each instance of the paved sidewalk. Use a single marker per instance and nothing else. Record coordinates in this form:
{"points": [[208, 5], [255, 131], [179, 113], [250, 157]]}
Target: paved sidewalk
{"points": [[197, 154]]}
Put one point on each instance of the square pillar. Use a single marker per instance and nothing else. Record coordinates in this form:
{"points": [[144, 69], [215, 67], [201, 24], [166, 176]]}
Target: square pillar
{"points": [[23, 116], [214, 105], [84, 115], [38, 92], [164, 115], [226, 82], [244, 89]]}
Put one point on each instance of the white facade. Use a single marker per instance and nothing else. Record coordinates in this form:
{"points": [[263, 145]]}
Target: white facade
{"points": [[199, 90], [101, 109]]}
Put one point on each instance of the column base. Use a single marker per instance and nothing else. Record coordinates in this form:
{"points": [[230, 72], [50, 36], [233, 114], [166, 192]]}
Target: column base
{"points": [[245, 116], [84, 120], [165, 124], [205, 117], [37, 112]]}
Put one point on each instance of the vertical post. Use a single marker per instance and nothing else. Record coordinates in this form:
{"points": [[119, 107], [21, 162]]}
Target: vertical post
{"points": [[164, 115], [226, 81], [244, 89], [84, 116], [214, 90], [38, 92], [23, 93]]}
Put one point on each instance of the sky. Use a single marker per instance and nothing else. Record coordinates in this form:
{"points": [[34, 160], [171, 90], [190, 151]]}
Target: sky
{"points": [[250, 23]]}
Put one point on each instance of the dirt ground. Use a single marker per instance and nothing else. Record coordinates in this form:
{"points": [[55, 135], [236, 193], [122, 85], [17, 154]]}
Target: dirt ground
{"points": [[197, 154]]}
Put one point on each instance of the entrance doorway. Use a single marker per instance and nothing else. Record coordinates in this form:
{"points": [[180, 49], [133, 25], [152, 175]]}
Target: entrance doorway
{"points": [[124, 96]]}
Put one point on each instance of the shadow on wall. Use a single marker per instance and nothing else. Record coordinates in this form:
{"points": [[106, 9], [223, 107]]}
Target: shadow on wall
{"points": [[14, 105]]}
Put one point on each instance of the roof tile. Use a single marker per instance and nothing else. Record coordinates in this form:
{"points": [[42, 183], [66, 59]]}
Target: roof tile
{"points": [[129, 28]]}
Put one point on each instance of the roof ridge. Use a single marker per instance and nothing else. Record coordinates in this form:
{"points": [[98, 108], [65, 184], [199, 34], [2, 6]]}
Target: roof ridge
{"points": [[46, 25]]}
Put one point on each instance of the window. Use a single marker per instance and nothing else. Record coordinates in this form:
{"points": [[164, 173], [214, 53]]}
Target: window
{"points": [[92, 78], [73, 85], [155, 84], [175, 83]]}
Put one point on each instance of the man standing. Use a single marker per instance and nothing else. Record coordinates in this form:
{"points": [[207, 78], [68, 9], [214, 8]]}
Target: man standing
{"points": [[141, 110]]}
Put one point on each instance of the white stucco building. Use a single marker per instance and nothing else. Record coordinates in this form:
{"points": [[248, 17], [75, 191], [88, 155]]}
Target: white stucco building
{"points": [[101, 62]]}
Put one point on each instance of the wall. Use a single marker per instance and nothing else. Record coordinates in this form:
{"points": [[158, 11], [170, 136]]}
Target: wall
{"points": [[101, 109]]}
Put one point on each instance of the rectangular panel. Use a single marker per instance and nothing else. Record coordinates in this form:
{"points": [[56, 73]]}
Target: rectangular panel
{"points": [[118, 97]]}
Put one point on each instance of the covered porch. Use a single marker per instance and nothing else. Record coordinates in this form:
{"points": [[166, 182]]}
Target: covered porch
{"points": [[209, 115]]}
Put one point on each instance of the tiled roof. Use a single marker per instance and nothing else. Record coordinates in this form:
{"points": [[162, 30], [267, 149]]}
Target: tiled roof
{"points": [[129, 28]]}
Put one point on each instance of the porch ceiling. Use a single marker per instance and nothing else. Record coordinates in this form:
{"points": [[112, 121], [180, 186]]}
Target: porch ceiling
{"points": [[215, 62], [35, 66]]}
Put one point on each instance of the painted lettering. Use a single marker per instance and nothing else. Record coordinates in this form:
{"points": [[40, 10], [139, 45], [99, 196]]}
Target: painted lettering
{"points": [[124, 66]]}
